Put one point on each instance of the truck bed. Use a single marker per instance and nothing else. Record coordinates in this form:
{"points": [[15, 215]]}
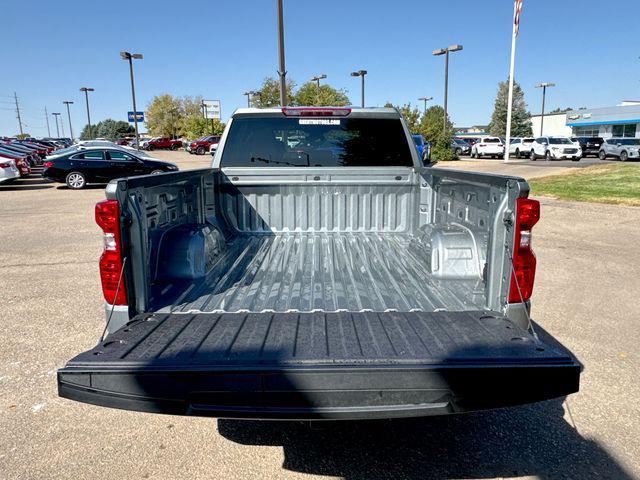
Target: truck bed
{"points": [[319, 365], [331, 272]]}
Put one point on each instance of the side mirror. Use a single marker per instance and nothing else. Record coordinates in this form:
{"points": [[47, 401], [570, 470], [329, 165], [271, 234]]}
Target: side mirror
{"points": [[618, 144]]}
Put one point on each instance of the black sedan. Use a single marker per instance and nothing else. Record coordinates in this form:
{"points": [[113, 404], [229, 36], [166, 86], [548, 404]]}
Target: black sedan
{"points": [[100, 165]]}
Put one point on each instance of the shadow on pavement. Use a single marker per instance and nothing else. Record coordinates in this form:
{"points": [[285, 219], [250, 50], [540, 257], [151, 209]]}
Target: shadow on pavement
{"points": [[531, 440], [18, 187]]}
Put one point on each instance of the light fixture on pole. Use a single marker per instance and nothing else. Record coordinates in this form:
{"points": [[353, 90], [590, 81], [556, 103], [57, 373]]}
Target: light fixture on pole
{"points": [[445, 52], [86, 91], [56, 115], [130, 57], [361, 74], [317, 79], [543, 86], [67, 103], [425, 100]]}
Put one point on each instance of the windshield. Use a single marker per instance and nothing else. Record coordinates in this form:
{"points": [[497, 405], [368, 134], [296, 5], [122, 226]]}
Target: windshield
{"points": [[491, 140], [559, 141], [316, 142]]}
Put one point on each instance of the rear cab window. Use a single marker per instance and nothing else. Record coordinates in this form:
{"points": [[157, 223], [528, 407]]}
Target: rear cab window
{"points": [[259, 141]]}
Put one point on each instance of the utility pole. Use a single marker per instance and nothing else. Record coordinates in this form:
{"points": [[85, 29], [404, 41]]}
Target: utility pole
{"points": [[46, 116], [248, 94], [445, 52], [544, 93], [130, 56], [56, 115], [15, 97], [425, 100], [282, 72], [67, 103], [86, 91], [361, 74]]}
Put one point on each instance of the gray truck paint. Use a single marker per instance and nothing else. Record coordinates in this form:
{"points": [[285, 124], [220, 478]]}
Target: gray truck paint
{"points": [[306, 239]]}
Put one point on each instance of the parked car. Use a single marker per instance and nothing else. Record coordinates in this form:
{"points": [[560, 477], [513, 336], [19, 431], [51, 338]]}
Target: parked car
{"points": [[620, 148], [460, 147], [555, 148], [423, 147], [163, 143], [488, 147], [21, 161], [100, 165], [8, 170], [202, 145], [330, 279], [520, 147], [33, 158], [589, 145]]}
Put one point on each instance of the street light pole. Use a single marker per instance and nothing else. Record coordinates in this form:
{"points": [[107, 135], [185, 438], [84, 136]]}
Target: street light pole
{"points": [[425, 100], [361, 74], [46, 116], [248, 94], [445, 52], [67, 103], [544, 94], [317, 79], [86, 91], [282, 73], [56, 115], [129, 57]]}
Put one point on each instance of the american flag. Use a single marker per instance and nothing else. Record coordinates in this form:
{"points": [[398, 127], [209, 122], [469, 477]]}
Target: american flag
{"points": [[516, 15]]}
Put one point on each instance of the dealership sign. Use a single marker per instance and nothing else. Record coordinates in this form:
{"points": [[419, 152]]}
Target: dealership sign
{"points": [[211, 109], [139, 115]]}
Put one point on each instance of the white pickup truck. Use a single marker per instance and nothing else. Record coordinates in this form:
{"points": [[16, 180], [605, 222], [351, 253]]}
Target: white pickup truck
{"points": [[318, 270]]}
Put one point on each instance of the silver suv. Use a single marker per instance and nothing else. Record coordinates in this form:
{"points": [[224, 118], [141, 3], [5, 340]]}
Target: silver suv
{"points": [[622, 148]]}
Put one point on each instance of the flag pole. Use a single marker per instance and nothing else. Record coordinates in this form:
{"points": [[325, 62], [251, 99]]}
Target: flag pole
{"points": [[514, 27]]}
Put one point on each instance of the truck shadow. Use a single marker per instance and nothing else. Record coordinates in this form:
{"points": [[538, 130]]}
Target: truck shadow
{"points": [[530, 440]]}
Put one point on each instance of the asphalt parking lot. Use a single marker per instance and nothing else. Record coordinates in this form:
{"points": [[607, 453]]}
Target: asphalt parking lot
{"points": [[586, 296]]}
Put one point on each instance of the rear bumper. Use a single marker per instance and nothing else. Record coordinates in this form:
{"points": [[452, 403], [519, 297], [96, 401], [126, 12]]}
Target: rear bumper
{"points": [[321, 394]]}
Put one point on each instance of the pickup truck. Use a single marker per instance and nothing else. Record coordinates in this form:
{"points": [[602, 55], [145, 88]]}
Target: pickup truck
{"points": [[163, 142], [318, 270]]}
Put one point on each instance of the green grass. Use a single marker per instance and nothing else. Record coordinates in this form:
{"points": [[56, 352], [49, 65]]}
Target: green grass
{"points": [[610, 183]]}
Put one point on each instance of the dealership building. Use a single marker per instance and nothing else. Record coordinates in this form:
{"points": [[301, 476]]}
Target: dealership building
{"points": [[621, 121]]}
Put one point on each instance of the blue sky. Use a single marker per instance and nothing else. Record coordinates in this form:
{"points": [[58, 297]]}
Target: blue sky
{"points": [[219, 49]]}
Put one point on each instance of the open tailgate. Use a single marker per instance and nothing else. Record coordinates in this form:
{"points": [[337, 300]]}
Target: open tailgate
{"points": [[319, 365]]}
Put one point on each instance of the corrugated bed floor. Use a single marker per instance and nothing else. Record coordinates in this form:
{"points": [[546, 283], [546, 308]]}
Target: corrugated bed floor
{"points": [[328, 272], [317, 338]]}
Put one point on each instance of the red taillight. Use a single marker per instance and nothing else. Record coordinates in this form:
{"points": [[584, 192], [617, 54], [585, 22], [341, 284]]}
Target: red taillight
{"points": [[47, 164], [315, 112], [5, 165], [524, 260], [482, 145], [108, 218]]}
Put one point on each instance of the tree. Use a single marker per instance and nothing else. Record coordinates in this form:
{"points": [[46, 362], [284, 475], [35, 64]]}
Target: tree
{"points": [[113, 129], [309, 94], [437, 133], [520, 116], [196, 126], [22, 136], [164, 115], [269, 93], [110, 129], [411, 117], [87, 134]]}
